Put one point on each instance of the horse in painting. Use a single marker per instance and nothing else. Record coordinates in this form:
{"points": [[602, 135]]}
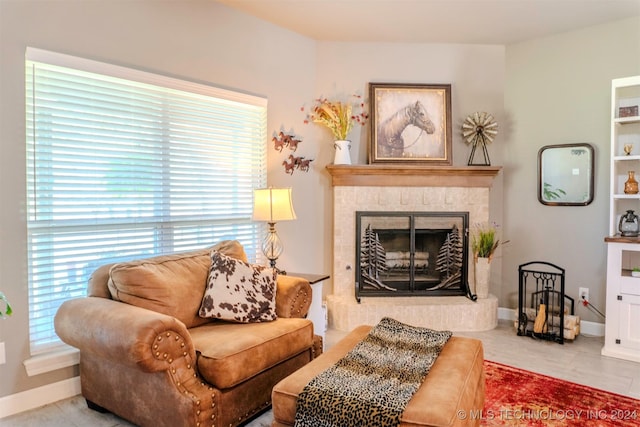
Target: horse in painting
{"points": [[390, 140]]}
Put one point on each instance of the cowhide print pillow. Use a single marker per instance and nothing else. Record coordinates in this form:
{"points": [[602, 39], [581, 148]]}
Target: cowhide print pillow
{"points": [[238, 291]]}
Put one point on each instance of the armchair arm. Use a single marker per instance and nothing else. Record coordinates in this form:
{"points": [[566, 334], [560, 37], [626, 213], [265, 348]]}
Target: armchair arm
{"points": [[124, 333], [293, 296]]}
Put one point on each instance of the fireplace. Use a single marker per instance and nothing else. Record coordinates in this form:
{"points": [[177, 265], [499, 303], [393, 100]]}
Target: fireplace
{"points": [[406, 189], [411, 254]]}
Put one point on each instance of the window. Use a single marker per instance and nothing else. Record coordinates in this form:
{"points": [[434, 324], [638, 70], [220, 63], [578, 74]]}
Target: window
{"points": [[123, 164]]}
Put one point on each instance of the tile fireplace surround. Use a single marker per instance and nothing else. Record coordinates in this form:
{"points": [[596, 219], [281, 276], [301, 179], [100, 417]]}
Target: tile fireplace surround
{"points": [[405, 188]]}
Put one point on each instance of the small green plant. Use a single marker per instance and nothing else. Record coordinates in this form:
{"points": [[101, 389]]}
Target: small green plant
{"points": [[7, 307], [636, 269], [550, 194], [484, 240]]}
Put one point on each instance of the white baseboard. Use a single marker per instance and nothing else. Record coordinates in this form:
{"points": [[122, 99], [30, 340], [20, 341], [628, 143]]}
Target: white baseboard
{"points": [[506, 313], [586, 328], [37, 397], [592, 328]]}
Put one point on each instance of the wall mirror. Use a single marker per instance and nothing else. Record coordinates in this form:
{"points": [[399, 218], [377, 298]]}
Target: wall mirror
{"points": [[565, 174]]}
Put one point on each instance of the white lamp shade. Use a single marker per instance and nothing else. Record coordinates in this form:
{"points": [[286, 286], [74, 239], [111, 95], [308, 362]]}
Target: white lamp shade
{"points": [[273, 205]]}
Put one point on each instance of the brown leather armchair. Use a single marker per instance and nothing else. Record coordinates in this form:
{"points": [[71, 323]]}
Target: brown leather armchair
{"points": [[146, 356]]}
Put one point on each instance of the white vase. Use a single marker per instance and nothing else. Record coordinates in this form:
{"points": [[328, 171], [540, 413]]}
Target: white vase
{"points": [[342, 154], [482, 271]]}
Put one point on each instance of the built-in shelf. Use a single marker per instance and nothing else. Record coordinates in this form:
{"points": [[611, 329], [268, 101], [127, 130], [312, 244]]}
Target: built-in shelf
{"points": [[632, 157], [622, 329], [626, 196], [625, 120], [403, 175]]}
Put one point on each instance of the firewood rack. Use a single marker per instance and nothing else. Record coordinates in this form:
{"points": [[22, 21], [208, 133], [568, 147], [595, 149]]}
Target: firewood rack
{"points": [[542, 301]]}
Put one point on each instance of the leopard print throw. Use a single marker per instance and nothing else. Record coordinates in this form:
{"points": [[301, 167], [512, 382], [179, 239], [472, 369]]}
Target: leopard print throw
{"points": [[372, 384]]}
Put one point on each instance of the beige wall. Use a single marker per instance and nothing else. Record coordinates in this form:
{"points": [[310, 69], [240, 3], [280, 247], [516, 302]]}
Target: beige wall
{"points": [[203, 41], [476, 75], [558, 91], [208, 43]]}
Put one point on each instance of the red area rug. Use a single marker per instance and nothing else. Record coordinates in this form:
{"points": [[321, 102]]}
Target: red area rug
{"points": [[515, 397]]}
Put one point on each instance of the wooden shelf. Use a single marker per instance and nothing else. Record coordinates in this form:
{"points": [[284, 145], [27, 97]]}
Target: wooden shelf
{"points": [[620, 239], [391, 175]]}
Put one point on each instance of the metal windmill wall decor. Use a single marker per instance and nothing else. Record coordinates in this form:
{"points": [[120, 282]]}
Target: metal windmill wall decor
{"points": [[479, 129]]}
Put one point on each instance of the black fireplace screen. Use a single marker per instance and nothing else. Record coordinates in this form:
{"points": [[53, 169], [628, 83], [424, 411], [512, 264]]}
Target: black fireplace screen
{"points": [[411, 253]]}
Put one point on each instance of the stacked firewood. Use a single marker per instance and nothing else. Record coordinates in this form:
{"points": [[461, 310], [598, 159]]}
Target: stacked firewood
{"points": [[571, 322]]}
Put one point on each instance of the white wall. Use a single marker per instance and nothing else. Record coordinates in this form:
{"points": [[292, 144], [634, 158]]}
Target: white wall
{"points": [[558, 91]]}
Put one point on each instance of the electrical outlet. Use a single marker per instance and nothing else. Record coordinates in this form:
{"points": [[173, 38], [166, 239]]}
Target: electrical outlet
{"points": [[583, 294], [3, 358]]}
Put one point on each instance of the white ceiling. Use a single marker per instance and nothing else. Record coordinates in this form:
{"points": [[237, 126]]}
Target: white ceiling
{"points": [[435, 21]]}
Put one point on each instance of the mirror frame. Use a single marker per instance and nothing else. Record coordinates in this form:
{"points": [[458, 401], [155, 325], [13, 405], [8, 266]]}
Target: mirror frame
{"points": [[588, 179]]}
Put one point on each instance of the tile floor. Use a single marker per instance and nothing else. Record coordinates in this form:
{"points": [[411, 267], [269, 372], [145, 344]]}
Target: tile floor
{"points": [[579, 361]]}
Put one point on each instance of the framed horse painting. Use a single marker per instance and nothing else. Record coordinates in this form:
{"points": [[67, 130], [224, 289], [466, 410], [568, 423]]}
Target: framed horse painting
{"points": [[410, 123]]}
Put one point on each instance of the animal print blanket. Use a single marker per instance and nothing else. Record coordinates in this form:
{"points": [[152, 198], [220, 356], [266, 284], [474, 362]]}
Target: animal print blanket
{"points": [[372, 384]]}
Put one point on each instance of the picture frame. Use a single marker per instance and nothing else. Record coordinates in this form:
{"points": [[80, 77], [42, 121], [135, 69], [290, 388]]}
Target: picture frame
{"points": [[410, 123]]}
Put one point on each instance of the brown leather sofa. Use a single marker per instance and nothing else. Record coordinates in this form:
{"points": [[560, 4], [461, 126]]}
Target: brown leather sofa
{"points": [[147, 356]]}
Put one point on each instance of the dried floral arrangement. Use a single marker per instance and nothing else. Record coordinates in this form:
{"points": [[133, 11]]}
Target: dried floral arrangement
{"points": [[337, 116]]}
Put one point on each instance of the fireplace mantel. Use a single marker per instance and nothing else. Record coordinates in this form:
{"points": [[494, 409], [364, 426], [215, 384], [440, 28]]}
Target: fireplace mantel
{"points": [[385, 175]]}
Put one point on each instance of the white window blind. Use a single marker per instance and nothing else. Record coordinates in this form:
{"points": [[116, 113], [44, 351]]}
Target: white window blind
{"points": [[125, 164]]}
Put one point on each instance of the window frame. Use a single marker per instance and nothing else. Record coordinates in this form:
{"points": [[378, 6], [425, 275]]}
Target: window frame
{"points": [[257, 180]]}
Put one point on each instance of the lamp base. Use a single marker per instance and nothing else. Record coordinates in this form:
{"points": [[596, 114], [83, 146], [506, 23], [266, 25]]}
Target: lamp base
{"points": [[272, 264]]}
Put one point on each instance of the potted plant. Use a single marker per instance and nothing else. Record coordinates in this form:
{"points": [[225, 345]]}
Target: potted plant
{"points": [[339, 118], [5, 307], [484, 242], [635, 272]]}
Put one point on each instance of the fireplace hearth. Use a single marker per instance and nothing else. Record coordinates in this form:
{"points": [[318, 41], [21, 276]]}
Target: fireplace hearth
{"points": [[411, 254]]}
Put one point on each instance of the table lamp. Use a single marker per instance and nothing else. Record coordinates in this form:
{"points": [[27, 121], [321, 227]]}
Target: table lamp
{"points": [[272, 205]]}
